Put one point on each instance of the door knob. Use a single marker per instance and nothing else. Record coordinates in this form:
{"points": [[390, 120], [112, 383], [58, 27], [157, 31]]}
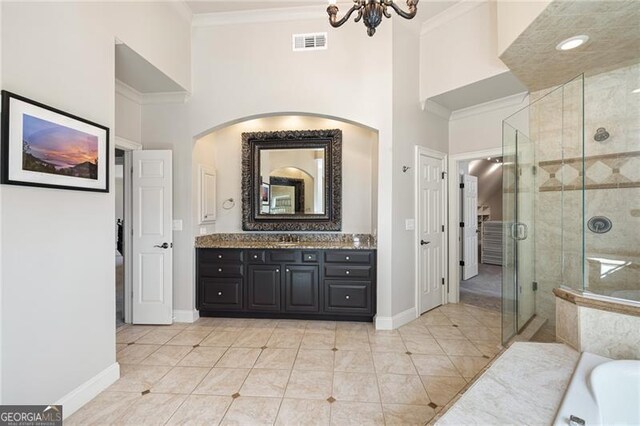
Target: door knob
{"points": [[424, 243], [163, 246]]}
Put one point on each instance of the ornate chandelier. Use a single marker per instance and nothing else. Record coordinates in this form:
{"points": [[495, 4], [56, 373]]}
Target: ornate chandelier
{"points": [[371, 12]]}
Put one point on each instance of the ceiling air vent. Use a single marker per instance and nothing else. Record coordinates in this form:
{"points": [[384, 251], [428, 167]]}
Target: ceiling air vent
{"points": [[314, 41]]}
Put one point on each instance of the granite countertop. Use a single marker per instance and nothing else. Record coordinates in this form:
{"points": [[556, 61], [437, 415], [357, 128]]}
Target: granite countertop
{"points": [[293, 241]]}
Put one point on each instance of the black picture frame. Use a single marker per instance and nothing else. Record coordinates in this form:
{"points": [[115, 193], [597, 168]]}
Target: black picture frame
{"points": [[9, 166]]}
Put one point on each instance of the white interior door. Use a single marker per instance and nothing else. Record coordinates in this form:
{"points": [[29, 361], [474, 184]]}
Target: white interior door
{"points": [[152, 242], [470, 228], [430, 232]]}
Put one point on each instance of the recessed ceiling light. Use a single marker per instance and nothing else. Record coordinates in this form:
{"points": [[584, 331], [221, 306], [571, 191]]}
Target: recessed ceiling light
{"points": [[636, 91], [572, 42]]}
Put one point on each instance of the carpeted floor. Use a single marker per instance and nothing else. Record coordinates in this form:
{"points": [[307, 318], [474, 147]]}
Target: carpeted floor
{"points": [[485, 289]]}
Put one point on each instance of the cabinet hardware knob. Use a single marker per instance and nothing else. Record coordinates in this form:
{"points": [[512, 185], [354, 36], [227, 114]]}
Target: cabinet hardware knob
{"points": [[347, 257], [287, 270], [347, 297], [277, 270], [219, 293], [348, 272], [219, 269], [255, 256], [219, 256]]}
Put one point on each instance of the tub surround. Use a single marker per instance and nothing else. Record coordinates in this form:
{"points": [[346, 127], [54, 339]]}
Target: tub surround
{"points": [[604, 328], [525, 385], [616, 306], [318, 241]]}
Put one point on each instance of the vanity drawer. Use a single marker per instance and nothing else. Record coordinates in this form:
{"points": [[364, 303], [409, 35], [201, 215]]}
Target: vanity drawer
{"points": [[348, 296], [310, 256], [256, 256], [280, 256], [219, 255], [350, 256], [221, 293], [221, 270], [347, 271]]}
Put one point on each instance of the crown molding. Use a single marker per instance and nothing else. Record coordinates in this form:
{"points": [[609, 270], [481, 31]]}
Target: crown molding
{"points": [[506, 102], [182, 8], [128, 92], [150, 98], [259, 15], [436, 109], [449, 14]]}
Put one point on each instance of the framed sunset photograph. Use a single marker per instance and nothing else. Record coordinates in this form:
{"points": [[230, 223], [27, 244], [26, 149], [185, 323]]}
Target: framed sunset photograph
{"points": [[46, 147]]}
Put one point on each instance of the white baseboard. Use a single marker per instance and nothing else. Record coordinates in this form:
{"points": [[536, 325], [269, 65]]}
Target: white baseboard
{"points": [[185, 316], [396, 321], [84, 393]]}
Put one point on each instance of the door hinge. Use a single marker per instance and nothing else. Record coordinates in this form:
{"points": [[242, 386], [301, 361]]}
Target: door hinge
{"points": [[442, 228], [444, 174], [535, 286], [462, 263], [461, 224], [443, 281], [462, 186]]}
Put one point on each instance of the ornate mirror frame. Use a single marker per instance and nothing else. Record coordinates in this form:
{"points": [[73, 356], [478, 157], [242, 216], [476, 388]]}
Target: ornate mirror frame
{"points": [[252, 143]]}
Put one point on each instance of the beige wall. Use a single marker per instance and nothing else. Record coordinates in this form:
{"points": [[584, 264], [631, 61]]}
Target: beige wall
{"points": [[479, 127], [411, 126], [58, 299], [460, 51], [128, 119], [223, 149], [241, 80]]}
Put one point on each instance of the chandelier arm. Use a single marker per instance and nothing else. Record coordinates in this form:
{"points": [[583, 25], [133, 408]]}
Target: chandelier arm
{"points": [[385, 10], [332, 10], [413, 8], [359, 17]]}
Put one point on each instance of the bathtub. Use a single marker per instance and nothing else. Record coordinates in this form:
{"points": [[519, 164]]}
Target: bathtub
{"points": [[602, 392]]}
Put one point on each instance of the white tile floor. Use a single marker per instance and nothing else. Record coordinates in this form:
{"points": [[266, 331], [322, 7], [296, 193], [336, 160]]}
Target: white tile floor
{"points": [[246, 371]]}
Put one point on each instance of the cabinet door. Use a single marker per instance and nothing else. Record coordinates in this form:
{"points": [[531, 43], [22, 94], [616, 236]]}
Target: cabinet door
{"points": [[348, 297], [220, 294], [264, 287], [301, 289]]}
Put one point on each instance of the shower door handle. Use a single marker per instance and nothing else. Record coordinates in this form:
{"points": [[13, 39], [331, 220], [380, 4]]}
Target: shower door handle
{"points": [[519, 231]]}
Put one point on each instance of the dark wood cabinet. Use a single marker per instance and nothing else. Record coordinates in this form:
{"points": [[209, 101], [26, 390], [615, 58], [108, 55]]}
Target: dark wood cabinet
{"points": [[263, 282], [301, 288], [304, 284], [223, 294]]}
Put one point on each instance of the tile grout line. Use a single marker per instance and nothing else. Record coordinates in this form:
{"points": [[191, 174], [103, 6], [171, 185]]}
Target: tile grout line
{"points": [[287, 384]]}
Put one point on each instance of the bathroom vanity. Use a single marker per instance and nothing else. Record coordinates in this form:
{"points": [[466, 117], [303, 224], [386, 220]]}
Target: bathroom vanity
{"points": [[291, 181], [333, 280]]}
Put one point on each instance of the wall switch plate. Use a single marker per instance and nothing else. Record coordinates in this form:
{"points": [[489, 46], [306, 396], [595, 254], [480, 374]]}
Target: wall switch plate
{"points": [[177, 225], [410, 224]]}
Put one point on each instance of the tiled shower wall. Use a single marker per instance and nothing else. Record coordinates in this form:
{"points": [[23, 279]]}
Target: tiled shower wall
{"points": [[612, 186]]}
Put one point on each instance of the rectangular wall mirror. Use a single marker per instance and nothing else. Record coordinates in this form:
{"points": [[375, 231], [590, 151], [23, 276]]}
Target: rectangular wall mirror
{"points": [[292, 180]]}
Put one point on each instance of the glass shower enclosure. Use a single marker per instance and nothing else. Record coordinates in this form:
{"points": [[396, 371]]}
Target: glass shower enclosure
{"points": [[537, 141]]}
